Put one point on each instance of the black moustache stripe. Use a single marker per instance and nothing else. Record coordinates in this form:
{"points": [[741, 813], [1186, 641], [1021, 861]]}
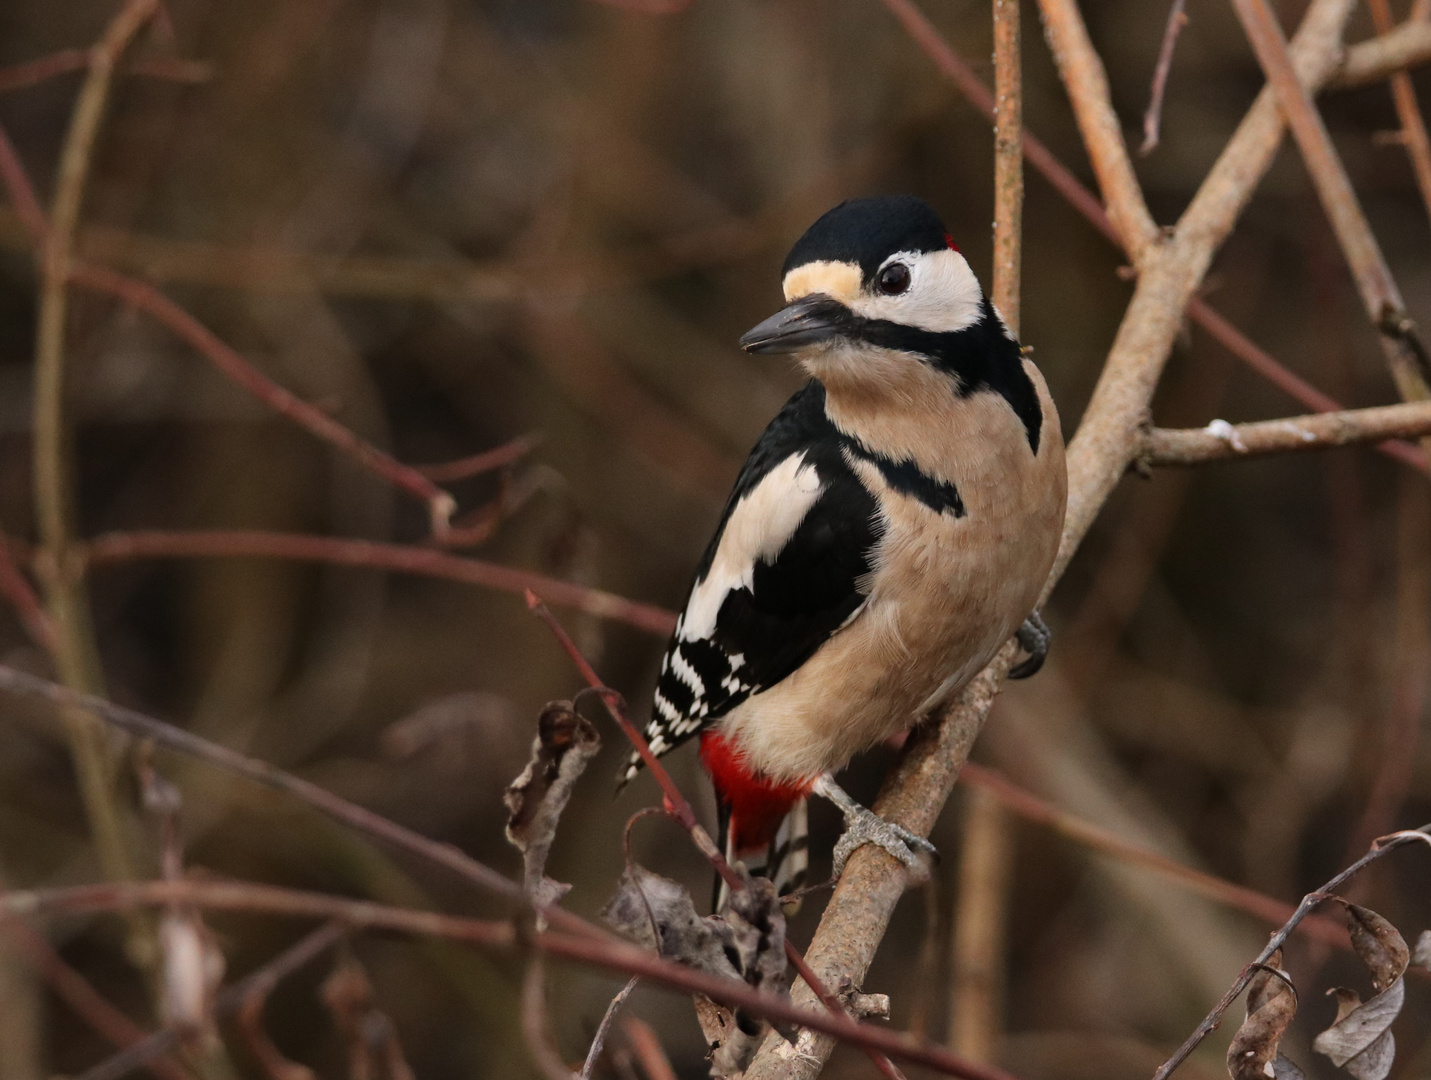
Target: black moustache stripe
{"points": [[982, 357]]}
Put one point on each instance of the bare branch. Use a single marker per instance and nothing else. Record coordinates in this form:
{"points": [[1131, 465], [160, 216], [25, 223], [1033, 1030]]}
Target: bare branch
{"points": [[1410, 366], [1413, 134], [1371, 61], [399, 558], [167, 68], [598, 1041], [1008, 163], [1153, 118], [1220, 441], [1087, 84], [228, 1002]]}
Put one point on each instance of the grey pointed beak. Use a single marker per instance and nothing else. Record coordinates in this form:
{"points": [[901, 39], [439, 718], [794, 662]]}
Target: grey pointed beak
{"points": [[808, 321]]}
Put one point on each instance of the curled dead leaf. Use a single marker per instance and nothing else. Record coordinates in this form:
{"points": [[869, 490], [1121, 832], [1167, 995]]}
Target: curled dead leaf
{"points": [[565, 743], [1359, 1039], [746, 942], [1271, 1003]]}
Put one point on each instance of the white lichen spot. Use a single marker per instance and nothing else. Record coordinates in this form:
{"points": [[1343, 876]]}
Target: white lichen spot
{"points": [[1221, 429]]}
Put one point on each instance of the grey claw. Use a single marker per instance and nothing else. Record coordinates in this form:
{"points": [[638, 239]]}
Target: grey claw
{"points": [[904, 845], [1033, 637]]}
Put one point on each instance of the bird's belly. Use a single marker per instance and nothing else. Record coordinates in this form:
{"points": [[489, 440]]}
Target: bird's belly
{"points": [[946, 593]]}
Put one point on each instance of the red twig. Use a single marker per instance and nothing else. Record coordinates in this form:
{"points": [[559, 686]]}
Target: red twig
{"points": [[227, 1002], [22, 193], [648, 1050], [77, 992], [1153, 118], [22, 597], [487, 461], [597, 950], [401, 558], [32, 72], [227, 360]]}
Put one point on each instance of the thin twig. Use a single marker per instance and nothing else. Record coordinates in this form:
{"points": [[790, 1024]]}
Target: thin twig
{"points": [[1153, 118], [598, 1041], [1220, 440], [1405, 354], [606, 952], [80, 995], [67, 603], [355, 817], [28, 608], [1408, 46], [111, 548], [976, 992], [146, 298], [1008, 163], [167, 68], [535, 1028], [487, 461], [1310, 901], [1087, 84], [1413, 134], [646, 1045], [1031, 808], [1396, 756], [229, 1001]]}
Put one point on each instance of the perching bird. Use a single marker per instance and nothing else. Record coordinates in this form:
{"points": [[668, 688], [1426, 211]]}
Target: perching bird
{"points": [[894, 525]]}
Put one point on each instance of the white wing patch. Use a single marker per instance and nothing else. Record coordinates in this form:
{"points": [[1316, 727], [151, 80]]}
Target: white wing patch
{"points": [[759, 527]]}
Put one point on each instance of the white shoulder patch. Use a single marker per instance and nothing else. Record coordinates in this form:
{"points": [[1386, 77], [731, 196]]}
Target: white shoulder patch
{"points": [[759, 527]]}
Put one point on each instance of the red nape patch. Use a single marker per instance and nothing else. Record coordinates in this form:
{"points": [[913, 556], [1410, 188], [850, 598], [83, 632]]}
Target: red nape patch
{"points": [[950, 241], [757, 805]]}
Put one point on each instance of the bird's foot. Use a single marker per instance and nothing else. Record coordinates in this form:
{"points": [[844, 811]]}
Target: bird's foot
{"points": [[1033, 637], [863, 826]]}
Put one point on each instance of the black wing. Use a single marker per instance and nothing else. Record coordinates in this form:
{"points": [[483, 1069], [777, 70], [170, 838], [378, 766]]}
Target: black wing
{"points": [[791, 594]]}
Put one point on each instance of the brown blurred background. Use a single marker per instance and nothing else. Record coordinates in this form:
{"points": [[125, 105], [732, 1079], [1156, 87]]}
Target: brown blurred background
{"points": [[454, 222]]}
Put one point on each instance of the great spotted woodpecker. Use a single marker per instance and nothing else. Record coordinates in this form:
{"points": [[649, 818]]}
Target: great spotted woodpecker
{"points": [[893, 526]]}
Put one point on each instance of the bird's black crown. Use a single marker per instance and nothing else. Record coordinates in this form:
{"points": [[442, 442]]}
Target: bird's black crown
{"points": [[868, 231]]}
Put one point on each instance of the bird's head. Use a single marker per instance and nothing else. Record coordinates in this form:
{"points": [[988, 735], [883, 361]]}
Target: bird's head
{"points": [[870, 278]]}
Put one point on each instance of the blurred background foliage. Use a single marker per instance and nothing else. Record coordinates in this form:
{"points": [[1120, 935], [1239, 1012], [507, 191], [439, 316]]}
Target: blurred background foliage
{"points": [[454, 222]]}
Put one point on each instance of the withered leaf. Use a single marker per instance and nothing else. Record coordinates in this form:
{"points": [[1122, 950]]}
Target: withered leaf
{"points": [[746, 942], [729, 1048], [1380, 946], [1360, 1038], [565, 743], [1271, 1004]]}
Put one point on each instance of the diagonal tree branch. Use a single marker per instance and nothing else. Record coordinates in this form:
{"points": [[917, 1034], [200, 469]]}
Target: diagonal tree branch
{"points": [[1410, 366]]}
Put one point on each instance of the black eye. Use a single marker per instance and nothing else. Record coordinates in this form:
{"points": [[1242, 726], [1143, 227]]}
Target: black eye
{"points": [[893, 279]]}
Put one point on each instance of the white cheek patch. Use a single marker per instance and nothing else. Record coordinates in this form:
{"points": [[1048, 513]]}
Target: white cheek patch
{"points": [[943, 294], [759, 527]]}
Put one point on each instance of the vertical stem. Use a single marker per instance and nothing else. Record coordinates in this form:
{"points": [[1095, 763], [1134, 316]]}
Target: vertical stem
{"points": [[1008, 162], [67, 603], [1403, 93], [977, 990]]}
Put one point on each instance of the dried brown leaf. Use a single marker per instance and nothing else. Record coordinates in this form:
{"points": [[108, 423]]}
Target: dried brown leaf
{"points": [[1381, 947], [1271, 1004], [1359, 1039], [746, 942], [565, 743]]}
